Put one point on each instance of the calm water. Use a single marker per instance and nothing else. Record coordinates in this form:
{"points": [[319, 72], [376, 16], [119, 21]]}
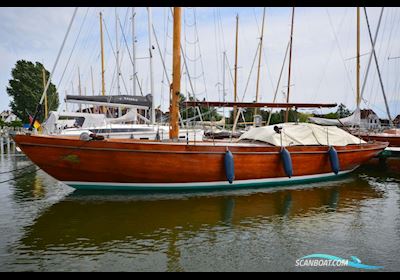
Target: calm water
{"points": [[47, 226]]}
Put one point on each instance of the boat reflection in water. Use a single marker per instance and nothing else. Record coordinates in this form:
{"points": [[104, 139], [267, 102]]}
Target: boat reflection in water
{"points": [[93, 223]]}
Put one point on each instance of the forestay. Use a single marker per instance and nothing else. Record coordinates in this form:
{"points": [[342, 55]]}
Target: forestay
{"points": [[301, 134]]}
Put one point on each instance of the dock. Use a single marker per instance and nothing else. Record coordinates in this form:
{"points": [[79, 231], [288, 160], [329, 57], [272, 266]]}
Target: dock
{"points": [[7, 144]]}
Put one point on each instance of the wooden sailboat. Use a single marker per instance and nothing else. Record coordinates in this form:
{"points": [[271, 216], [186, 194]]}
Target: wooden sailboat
{"points": [[96, 163], [392, 136]]}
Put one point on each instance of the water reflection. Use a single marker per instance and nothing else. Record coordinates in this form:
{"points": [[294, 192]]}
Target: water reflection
{"points": [[383, 170], [27, 184], [160, 222]]}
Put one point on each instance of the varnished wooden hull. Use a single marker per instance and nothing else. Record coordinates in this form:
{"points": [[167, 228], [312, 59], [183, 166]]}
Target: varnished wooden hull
{"points": [[394, 140], [130, 164]]}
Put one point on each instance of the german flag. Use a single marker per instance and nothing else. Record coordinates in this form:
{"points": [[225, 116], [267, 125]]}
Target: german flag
{"points": [[36, 124]]}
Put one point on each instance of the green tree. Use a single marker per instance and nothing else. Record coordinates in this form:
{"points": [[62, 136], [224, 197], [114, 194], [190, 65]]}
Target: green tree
{"points": [[26, 88], [208, 113], [342, 111], [16, 123]]}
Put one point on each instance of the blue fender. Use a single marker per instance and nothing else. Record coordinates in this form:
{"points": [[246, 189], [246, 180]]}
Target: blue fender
{"points": [[334, 159], [229, 167], [287, 162]]}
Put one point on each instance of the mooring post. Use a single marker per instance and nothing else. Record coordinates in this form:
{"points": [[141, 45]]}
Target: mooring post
{"points": [[1, 145], [8, 144]]}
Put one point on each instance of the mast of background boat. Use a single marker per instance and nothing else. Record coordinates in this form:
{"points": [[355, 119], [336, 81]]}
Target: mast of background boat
{"points": [[46, 110], [358, 72], [103, 87], [91, 76], [117, 58], [176, 76], [223, 84], [290, 67], [259, 60], [153, 113], [133, 52], [372, 51], [377, 67], [79, 89], [236, 59]]}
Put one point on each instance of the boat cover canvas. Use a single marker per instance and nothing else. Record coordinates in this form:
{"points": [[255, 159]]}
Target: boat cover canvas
{"points": [[353, 119], [301, 134]]}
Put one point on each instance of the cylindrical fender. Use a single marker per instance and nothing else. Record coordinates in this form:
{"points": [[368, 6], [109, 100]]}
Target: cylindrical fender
{"points": [[229, 167], [334, 159], [287, 162]]}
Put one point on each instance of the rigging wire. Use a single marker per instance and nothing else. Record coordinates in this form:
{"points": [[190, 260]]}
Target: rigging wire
{"points": [[329, 58], [117, 66], [251, 70], [340, 50], [129, 53], [82, 45], [73, 47], [279, 80], [376, 62], [52, 71]]}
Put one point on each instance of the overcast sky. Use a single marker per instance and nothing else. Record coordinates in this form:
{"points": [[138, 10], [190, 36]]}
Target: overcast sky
{"points": [[323, 64]]}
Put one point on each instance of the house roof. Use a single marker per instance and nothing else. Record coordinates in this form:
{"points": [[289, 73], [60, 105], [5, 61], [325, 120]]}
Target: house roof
{"points": [[397, 119], [5, 113], [365, 113]]}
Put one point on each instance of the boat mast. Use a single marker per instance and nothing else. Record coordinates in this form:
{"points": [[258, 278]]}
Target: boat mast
{"points": [[133, 52], [223, 83], [377, 65], [259, 60], [103, 87], [176, 76], [80, 89], [153, 114], [117, 59], [91, 75], [358, 59], [236, 60], [290, 67], [46, 112]]}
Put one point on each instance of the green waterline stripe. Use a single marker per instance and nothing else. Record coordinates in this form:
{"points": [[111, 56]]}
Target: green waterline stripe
{"points": [[208, 187]]}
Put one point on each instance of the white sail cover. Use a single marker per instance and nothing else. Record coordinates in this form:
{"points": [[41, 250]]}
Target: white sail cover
{"points": [[130, 116], [353, 119], [301, 134]]}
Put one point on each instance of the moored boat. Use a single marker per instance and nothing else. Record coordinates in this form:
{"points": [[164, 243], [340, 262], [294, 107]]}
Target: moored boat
{"points": [[263, 156], [392, 136], [144, 165]]}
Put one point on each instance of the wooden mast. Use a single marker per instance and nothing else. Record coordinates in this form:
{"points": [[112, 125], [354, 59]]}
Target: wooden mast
{"points": [[103, 87], [46, 110], [236, 60], [259, 60], [176, 76], [290, 67]]}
